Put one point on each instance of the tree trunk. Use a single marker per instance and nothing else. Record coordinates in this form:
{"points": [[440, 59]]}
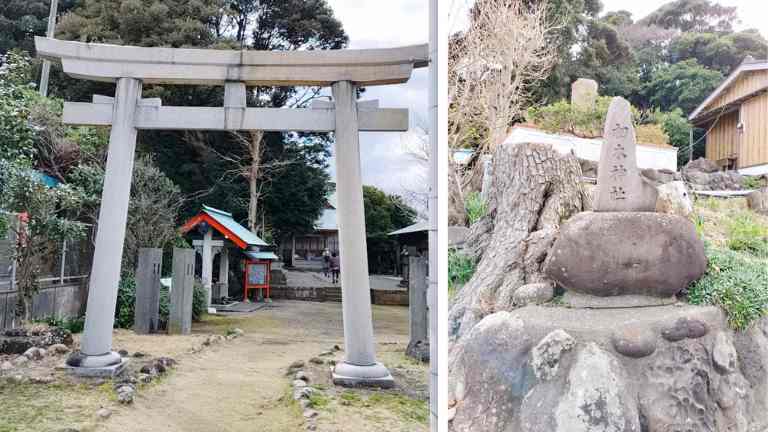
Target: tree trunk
{"points": [[253, 179], [533, 188]]}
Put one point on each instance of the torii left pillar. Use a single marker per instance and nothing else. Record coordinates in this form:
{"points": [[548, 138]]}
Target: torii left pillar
{"points": [[96, 356]]}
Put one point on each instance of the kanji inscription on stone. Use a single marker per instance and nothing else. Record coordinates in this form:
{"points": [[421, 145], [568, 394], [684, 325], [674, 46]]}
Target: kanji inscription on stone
{"points": [[619, 184]]}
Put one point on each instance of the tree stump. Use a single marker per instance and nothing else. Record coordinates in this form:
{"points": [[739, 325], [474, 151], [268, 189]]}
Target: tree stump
{"points": [[533, 188], [758, 201]]}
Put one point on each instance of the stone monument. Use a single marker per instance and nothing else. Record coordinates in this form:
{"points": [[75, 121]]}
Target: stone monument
{"points": [[605, 365], [147, 307], [624, 254], [584, 93]]}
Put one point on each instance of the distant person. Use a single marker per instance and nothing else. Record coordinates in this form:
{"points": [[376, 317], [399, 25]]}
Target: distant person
{"points": [[335, 267], [326, 262]]}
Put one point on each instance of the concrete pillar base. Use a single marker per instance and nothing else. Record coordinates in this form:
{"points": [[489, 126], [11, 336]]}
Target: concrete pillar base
{"points": [[104, 365], [349, 375]]}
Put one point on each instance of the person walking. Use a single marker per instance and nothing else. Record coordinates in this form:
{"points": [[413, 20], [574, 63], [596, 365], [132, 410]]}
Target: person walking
{"points": [[326, 262], [335, 267]]}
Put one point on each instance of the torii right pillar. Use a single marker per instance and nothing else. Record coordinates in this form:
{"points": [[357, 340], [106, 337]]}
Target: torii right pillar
{"points": [[360, 367]]}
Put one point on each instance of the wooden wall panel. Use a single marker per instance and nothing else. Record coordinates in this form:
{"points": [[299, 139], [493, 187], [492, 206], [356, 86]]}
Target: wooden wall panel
{"points": [[748, 82], [722, 139], [755, 140]]}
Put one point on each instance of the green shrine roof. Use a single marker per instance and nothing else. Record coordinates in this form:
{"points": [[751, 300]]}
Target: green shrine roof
{"points": [[225, 220]]}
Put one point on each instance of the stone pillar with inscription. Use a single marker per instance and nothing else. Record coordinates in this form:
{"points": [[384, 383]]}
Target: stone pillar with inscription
{"points": [[620, 187], [624, 254]]}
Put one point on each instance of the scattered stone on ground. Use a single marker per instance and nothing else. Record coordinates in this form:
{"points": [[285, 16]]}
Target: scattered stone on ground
{"points": [[125, 393], [19, 340], [317, 360], [104, 413]]}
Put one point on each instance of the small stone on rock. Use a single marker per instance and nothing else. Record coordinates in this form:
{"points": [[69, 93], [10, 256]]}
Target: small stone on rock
{"points": [[42, 380], [634, 341], [57, 349], [20, 360], [34, 353]]}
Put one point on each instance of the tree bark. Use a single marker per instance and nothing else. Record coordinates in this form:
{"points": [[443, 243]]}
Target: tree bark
{"points": [[254, 175], [533, 188]]}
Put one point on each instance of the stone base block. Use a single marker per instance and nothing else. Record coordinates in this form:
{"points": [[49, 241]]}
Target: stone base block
{"points": [[110, 371], [349, 375], [579, 300]]}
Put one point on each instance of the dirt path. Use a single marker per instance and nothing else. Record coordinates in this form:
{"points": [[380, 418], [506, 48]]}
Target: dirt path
{"points": [[239, 385]]}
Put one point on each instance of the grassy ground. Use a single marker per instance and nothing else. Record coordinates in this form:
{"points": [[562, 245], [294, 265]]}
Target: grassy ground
{"points": [[737, 250], [238, 385]]}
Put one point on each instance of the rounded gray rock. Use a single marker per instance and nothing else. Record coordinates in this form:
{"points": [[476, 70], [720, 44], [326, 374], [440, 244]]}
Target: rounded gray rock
{"points": [[634, 341], [626, 253]]}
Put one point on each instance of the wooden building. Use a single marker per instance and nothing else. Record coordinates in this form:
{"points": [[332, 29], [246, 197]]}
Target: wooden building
{"points": [[736, 116]]}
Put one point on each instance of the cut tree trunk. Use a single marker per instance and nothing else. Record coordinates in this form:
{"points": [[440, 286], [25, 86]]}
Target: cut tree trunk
{"points": [[533, 189]]}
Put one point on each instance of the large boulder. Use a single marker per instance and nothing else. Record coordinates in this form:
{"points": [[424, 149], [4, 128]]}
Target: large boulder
{"points": [[702, 165], [612, 254]]}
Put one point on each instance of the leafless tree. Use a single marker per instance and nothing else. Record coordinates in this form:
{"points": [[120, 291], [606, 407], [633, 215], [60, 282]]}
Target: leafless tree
{"points": [[492, 67], [416, 147]]}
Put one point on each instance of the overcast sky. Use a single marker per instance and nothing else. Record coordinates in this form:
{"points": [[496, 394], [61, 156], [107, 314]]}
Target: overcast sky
{"points": [[753, 13], [382, 24]]}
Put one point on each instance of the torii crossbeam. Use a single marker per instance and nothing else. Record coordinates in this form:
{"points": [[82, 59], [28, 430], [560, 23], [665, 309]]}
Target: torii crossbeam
{"points": [[127, 112]]}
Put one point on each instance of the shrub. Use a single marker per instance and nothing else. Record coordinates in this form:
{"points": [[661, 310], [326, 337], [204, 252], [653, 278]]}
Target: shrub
{"points": [[73, 325], [476, 207], [746, 234], [126, 302], [736, 282], [460, 269], [752, 182]]}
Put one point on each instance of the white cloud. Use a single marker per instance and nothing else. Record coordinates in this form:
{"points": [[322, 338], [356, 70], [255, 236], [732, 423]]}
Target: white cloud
{"points": [[381, 24]]}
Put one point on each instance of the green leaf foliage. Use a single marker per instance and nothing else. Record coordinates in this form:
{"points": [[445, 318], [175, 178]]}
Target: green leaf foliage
{"points": [[736, 282], [384, 213]]}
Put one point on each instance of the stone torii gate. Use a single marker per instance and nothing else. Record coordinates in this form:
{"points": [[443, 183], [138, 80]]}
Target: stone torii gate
{"points": [[130, 67]]}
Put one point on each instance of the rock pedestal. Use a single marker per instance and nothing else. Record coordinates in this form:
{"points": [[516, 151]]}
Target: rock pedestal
{"points": [[621, 259], [560, 369]]}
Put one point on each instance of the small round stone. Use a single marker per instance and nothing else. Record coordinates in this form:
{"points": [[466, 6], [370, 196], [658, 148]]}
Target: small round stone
{"points": [[634, 341]]}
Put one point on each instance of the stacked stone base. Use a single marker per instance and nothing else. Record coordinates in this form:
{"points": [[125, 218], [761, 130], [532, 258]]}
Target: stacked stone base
{"points": [[556, 369]]}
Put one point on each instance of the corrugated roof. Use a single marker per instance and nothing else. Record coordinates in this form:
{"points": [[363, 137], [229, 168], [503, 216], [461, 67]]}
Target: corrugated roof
{"points": [[748, 65], [261, 255], [421, 226], [327, 220], [240, 231]]}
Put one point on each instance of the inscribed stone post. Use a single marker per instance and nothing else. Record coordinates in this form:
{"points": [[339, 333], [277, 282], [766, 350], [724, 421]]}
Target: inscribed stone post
{"points": [[584, 93], [620, 186], [182, 288], [147, 310], [417, 298]]}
